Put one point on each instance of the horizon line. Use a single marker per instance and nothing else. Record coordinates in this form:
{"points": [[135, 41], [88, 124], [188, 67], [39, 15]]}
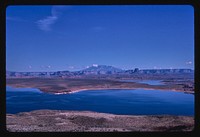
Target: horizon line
{"points": [[115, 67]]}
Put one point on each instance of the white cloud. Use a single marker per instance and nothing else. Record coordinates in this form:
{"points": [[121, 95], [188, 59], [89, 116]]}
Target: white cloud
{"points": [[95, 65], [71, 67], [188, 62], [45, 67], [46, 23]]}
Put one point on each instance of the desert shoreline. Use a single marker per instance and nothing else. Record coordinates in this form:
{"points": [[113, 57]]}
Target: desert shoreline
{"points": [[86, 89], [65, 86], [88, 121], [80, 90]]}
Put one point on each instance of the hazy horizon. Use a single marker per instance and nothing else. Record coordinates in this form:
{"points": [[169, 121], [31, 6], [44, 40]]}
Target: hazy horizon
{"points": [[58, 38]]}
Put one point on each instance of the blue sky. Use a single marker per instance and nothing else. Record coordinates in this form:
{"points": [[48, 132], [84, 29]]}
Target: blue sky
{"points": [[51, 38]]}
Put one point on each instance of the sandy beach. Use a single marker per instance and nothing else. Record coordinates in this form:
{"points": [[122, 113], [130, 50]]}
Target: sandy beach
{"points": [[80, 90]]}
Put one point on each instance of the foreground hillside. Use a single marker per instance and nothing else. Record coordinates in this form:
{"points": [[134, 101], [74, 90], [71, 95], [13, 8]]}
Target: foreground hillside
{"points": [[79, 121]]}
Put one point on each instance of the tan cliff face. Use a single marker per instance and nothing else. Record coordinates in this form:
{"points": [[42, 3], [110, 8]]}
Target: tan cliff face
{"points": [[86, 121]]}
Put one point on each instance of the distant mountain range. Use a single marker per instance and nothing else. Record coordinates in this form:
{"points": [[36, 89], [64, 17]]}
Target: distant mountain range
{"points": [[96, 70], [102, 69]]}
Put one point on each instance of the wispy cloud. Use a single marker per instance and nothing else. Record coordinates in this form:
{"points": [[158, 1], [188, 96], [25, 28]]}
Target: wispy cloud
{"points": [[46, 23], [45, 67], [71, 67]]}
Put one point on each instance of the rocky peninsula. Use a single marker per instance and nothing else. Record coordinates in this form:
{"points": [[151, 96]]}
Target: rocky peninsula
{"points": [[70, 85]]}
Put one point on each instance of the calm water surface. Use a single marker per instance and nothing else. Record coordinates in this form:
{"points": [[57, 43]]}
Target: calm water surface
{"points": [[149, 82], [132, 102]]}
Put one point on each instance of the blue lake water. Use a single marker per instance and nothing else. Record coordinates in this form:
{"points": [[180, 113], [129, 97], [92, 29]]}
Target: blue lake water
{"points": [[131, 102], [149, 82]]}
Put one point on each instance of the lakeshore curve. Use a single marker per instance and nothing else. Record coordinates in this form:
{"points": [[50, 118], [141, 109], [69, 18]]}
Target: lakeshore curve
{"points": [[65, 86]]}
